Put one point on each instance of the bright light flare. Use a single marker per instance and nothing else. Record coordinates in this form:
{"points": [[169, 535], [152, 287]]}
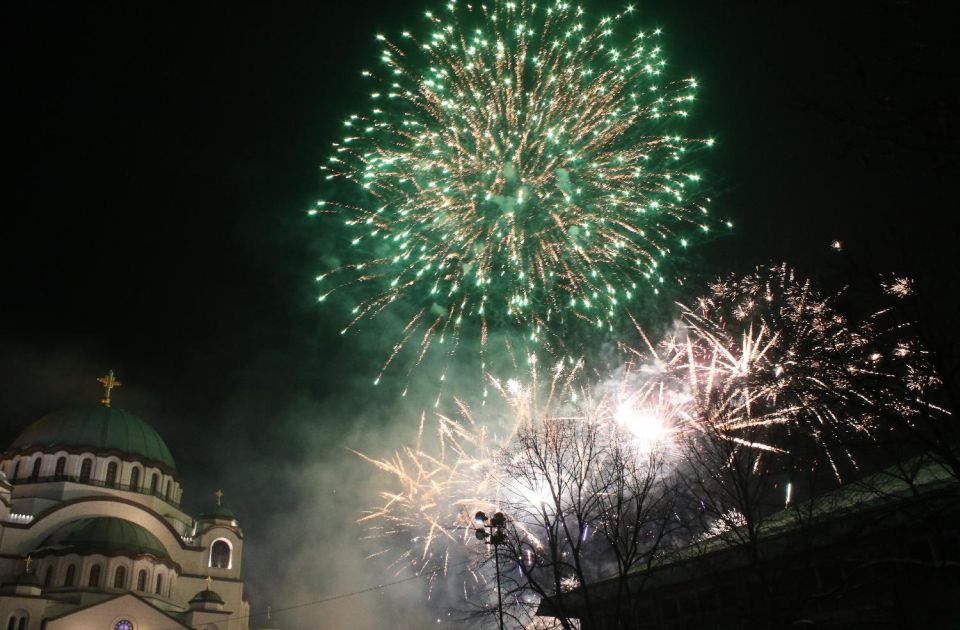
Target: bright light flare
{"points": [[647, 427]]}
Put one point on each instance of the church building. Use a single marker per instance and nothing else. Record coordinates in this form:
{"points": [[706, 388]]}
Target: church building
{"points": [[92, 535]]}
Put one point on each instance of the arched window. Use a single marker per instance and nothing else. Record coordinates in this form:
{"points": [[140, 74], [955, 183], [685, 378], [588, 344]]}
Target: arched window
{"points": [[48, 576], [70, 576], [142, 581], [220, 554], [86, 467], [111, 474], [166, 488], [159, 584], [120, 578], [35, 474], [16, 469], [94, 580], [154, 482], [18, 621], [135, 478], [61, 467]]}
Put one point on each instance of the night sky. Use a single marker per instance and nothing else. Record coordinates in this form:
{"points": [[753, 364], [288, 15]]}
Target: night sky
{"points": [[160, 159]]}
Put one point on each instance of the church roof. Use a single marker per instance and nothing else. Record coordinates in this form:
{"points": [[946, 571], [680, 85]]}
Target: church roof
{"points": [[28, 578], [97, 427], [218, 511], [132, 603], [106, 535], [207, 596]]}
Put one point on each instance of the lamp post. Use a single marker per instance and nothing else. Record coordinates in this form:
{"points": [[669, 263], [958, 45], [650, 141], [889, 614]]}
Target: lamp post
{"points": [[496, 536]]}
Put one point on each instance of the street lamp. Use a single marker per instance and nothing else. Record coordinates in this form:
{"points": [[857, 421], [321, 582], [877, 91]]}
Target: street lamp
{"points": [[496, 537]]}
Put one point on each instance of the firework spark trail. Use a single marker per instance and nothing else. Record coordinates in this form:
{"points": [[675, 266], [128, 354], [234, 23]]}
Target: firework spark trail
{"points": [[773, 358], [763, 361], [435, 494], [425, 517], [517, 166]]}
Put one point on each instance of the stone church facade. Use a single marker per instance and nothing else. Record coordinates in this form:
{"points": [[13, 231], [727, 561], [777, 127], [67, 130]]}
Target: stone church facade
{"points": [[92, 534]]}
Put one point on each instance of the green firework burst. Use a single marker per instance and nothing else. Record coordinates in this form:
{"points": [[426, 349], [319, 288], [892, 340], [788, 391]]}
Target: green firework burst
{"points": [[518, 171]]}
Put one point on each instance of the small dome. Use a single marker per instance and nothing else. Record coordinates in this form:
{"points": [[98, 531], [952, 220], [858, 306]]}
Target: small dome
{"points": [[98, 428], [29, 579], [24, 584], [207, 597], [106, 535], [218, 511]]}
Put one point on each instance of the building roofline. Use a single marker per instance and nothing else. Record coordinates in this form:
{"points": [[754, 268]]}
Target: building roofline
{"points": [[111, 499], [110, 599], [678, 558], [54, 448], [61, 553]]}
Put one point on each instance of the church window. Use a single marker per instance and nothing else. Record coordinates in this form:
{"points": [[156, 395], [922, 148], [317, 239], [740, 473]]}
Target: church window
{"points": [[142, 581], [154, 482], [120, 578], [159, 584], [112, 474], [94, 576], [36, 469], [71, 574], [48, 576], [135, 478], [60, 468], [12, 624], [220, 554], [23, 623], [16, 469], [86, 467], [123, 625]]}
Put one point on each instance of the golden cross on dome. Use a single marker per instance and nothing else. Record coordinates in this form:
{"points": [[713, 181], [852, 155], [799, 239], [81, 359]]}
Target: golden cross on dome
{"points": [[26, 563], [219, 495], [209, 581], [109, 381]]}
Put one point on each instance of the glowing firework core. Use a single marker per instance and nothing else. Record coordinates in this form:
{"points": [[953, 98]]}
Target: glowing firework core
{"points": [[644, 425]]}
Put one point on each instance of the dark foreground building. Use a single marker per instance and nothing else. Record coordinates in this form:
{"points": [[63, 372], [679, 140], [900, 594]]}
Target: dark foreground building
{"points": [[883, 553]]}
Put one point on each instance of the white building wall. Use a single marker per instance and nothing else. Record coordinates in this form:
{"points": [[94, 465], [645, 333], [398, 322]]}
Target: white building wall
{"points": [[30, 512]]}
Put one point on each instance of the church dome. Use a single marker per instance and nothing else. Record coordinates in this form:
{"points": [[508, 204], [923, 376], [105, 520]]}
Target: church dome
{"points": [[99, 428], [207, 597], [218, 511], [105, 535]]}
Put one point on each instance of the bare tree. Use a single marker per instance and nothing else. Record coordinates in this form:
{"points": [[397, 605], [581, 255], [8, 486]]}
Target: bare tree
{"points": [[638, 502], [588, 510], [729, 490]]}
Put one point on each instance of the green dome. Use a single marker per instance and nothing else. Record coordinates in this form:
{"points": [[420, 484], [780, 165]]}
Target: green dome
{"points": [[207, 596], [106, 535], [218, 511], [30, 579], [99, 428]]}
